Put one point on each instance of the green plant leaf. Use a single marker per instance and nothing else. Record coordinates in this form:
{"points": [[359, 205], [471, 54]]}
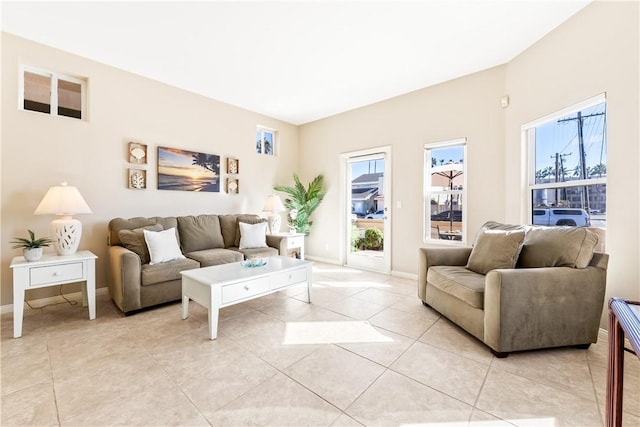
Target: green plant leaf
{"points": [[304, 200]]}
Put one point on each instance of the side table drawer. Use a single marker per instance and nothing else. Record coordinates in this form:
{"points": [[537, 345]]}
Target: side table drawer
{"points": [[288, 278], [55, 273], [295, 242], [242, 290]]}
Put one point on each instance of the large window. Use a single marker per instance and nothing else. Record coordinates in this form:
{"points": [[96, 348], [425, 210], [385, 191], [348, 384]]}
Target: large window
{"points": [[568, 166], [444, 194], [52, 93]]}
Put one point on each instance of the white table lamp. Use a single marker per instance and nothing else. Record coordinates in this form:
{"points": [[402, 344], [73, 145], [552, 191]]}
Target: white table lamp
{"points": [[274, 204], [64, 200]]}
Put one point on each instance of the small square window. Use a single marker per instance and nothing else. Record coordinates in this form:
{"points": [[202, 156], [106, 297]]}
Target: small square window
{"points": [[266, 141], [51, 93]]}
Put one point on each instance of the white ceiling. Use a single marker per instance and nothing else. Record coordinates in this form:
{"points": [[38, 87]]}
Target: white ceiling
{"points": [[296, 61]]}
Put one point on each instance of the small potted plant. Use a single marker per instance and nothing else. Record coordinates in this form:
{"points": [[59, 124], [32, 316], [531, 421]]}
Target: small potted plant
{"points": [[31, 247]]}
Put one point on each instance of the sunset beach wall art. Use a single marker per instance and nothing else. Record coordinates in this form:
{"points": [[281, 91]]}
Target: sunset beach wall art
{"points": [[184, 170]]}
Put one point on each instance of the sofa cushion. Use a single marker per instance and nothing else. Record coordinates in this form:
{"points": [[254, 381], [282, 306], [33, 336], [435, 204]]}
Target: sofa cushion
{"points": [[166, 271], [134, 240], [459, 282], [163, 246], [557, 247], [247, 219], [117, 224], [495, 249], [200, 232], [253, 235], [216, 256], [258, 252], [228, 226], [230, 230]]}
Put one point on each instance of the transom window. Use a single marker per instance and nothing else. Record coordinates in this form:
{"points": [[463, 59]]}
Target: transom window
{"points": [[266, 141], [567, 156], [52, 93], [444, 190]]}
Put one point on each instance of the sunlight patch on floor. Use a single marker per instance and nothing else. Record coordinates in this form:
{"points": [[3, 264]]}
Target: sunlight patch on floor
{"points": [[331, 333]]}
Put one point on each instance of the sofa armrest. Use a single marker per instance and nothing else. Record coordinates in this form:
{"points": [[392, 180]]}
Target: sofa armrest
{"points": [[278, 242], [124, 284], [438, 256], [542, 307]]}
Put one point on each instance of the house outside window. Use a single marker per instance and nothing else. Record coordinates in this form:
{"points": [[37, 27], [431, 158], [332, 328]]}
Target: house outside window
{"points": [[567, 158], [444, 190], [52, 93], [266, 141]]}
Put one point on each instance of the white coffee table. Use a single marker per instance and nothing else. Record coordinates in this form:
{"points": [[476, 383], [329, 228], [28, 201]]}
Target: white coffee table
{"points": [[219, 286]]}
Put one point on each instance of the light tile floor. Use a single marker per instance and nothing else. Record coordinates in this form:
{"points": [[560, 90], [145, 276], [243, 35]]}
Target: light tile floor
{"points": [[365, 352]]}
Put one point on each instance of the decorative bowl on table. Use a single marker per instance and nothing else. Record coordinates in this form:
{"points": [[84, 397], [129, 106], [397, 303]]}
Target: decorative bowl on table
{"points": [[254, 262]]}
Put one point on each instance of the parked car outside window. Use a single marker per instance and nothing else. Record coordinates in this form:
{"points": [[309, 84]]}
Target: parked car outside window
{"points": [[376, 215], [561, 216]]}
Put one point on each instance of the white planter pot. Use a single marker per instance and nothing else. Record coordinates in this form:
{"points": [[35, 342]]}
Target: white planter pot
{"points": [[32, 254]]}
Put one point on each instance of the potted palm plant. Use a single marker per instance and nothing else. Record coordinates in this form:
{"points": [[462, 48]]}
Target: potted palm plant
{"points": [[31, 247], [302, 202]]}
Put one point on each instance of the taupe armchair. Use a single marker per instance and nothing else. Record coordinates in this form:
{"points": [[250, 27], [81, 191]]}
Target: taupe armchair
{"points": [[525, 306]]}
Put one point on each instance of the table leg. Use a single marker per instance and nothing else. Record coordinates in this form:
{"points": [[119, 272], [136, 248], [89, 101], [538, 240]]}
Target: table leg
{"points": [[309, 283], [185, 306], [90, 292], [615, 371], [213, 323], [18, 311]]}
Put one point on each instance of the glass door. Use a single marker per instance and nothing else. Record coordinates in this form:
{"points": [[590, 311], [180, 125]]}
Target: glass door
{"points": [[368, 203]]}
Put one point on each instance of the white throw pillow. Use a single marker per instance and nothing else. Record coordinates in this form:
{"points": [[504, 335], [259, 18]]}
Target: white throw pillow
{"points": [[163, 245], [253, 235]]}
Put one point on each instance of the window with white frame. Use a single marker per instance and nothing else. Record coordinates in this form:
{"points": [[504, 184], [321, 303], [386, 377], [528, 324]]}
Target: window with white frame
{"points": [[52, 93], [266, 141], [444, 190], [567, 158]]}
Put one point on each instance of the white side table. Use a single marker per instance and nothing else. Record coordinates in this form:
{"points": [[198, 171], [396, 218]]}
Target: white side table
{"points": [[52, 270], [295, 243]]}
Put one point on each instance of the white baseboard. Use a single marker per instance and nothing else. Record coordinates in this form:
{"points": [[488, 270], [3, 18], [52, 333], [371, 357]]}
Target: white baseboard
{"points": [[8, 308], [395, 273], [323, 260], [404, 275]]}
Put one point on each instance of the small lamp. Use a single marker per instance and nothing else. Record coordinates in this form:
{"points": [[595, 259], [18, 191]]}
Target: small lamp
{"points": [[64, 200], [274, 204]]}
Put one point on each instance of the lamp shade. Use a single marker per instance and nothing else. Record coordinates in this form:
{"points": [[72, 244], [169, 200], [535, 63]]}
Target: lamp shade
{"points": [[62, 200], [273, 204]]}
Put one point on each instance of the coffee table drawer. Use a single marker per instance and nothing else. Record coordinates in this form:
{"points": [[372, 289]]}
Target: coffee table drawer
{"points": [[242, 290], [288, 278]]}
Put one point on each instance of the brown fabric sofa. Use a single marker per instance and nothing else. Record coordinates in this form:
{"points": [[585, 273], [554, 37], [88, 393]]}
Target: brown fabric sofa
{"points": [[204, 240], [552, 295]]}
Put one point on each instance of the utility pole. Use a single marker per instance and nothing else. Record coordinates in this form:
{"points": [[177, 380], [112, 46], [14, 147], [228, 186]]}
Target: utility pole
{"points": [[560, 170], [583, 160]]}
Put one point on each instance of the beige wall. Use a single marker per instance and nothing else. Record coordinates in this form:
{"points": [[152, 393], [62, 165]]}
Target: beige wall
{"points": [[39, 151], [466, 107], [595, 51]]}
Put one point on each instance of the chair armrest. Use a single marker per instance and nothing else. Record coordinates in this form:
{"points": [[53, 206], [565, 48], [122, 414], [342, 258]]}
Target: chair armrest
{"points": [[124, 281], [528, 308], [438, 256], [277, 242]]}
